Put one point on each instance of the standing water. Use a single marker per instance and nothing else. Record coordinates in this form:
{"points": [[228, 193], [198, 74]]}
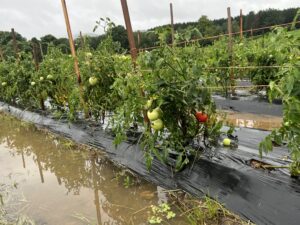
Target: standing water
{"points": [[52, 181]]}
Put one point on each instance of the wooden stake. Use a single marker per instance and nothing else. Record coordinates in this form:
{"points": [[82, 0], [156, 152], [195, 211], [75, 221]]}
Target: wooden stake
{"points": [[58, 180], [23, 160], [14, 41], [36, 63], [35, 57], [40, 169], [81, 40], [1, 54], [72, 47], [71, 40], [139, 39], [172, 23], [230, 47], [241, 24], [229, 28], [41, 50], [95, 186], [133, 50]]}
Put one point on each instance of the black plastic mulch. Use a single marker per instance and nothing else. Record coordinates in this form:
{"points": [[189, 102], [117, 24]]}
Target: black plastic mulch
{"points": [[264, 197]]}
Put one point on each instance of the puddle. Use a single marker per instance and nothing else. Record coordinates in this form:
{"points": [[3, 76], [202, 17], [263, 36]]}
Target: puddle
{"points": [[53, 182], [264, 122]]}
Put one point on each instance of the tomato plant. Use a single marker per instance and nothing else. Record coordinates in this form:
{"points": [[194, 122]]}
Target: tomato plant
{"points": [[287, 88], [174, 90], [167, 96], [99, 72], [99, 69], [268, 52], [59, 84], [16, 73]]}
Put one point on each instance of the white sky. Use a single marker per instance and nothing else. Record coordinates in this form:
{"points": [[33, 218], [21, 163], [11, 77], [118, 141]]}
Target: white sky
{"points": [[40, 17]]}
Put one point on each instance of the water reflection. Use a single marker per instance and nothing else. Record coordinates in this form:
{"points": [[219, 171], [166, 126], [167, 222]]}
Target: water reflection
{"points": [[65, 185], [263, 122]]}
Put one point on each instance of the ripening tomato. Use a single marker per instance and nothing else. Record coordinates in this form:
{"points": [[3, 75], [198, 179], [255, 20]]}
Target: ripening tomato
{"points": [[201, 117]]}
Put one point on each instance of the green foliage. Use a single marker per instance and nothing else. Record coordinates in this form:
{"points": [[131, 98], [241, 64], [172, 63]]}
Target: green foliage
{"points": [[287, 88], [56, 81], [105, 65], [6, 44], [160, 213], [176, 81], [16, 73], [125, 179], [172, 79], [273, 49]]}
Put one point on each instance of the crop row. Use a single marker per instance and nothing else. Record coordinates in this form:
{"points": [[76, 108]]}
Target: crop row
{"points": [[166, 95]]}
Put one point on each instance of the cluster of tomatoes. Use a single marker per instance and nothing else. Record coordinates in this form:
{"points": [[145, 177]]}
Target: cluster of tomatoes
{"points": [[202, 118]]}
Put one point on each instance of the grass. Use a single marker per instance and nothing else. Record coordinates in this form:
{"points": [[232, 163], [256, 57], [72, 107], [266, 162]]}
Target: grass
{"points": [[204, 211], [181, 206]]}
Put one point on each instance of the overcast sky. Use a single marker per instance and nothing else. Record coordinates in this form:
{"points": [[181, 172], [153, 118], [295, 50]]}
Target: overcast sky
{"points": [[40, 17]]}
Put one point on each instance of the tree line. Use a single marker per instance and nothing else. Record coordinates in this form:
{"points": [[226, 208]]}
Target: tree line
{"points": [[202, 28]]}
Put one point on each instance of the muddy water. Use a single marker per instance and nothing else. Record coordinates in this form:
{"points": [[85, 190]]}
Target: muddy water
{"points": [[264, 122], [53, 182]]}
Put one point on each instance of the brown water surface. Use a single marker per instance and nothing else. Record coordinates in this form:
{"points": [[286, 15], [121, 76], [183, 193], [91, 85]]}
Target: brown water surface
{"points": [[54, 182], [264, 122]]}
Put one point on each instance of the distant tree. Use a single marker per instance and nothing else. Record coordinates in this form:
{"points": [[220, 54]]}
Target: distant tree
{"points": [[63, 45], [49, 38], [6, 43], [148, 39], [119, 34], [46, 40]]}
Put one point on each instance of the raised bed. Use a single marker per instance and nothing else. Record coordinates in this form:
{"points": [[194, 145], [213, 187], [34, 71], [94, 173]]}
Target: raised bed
{"points": [[262, 196]]}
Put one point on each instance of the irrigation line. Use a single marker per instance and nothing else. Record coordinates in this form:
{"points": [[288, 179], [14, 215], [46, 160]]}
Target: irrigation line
{"points": [[221, 35]]}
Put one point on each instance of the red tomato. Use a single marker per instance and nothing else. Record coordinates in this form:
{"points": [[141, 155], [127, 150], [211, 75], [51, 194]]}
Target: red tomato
{"points": [[201, 117]]}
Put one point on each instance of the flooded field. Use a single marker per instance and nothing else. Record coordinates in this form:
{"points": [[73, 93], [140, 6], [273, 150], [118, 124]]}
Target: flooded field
{"points": [[47, 180], [54, 182], [264, 122]]}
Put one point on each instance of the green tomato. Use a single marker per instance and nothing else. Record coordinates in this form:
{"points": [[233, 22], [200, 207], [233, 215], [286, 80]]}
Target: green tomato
{"points": [[149, 104], [160, 112], [41, 78], [49, 77], [155, 114], [124, 57], [226, 142], [4, 84], [88, 54], [93, 81], [32, 83], [157, 124]]}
